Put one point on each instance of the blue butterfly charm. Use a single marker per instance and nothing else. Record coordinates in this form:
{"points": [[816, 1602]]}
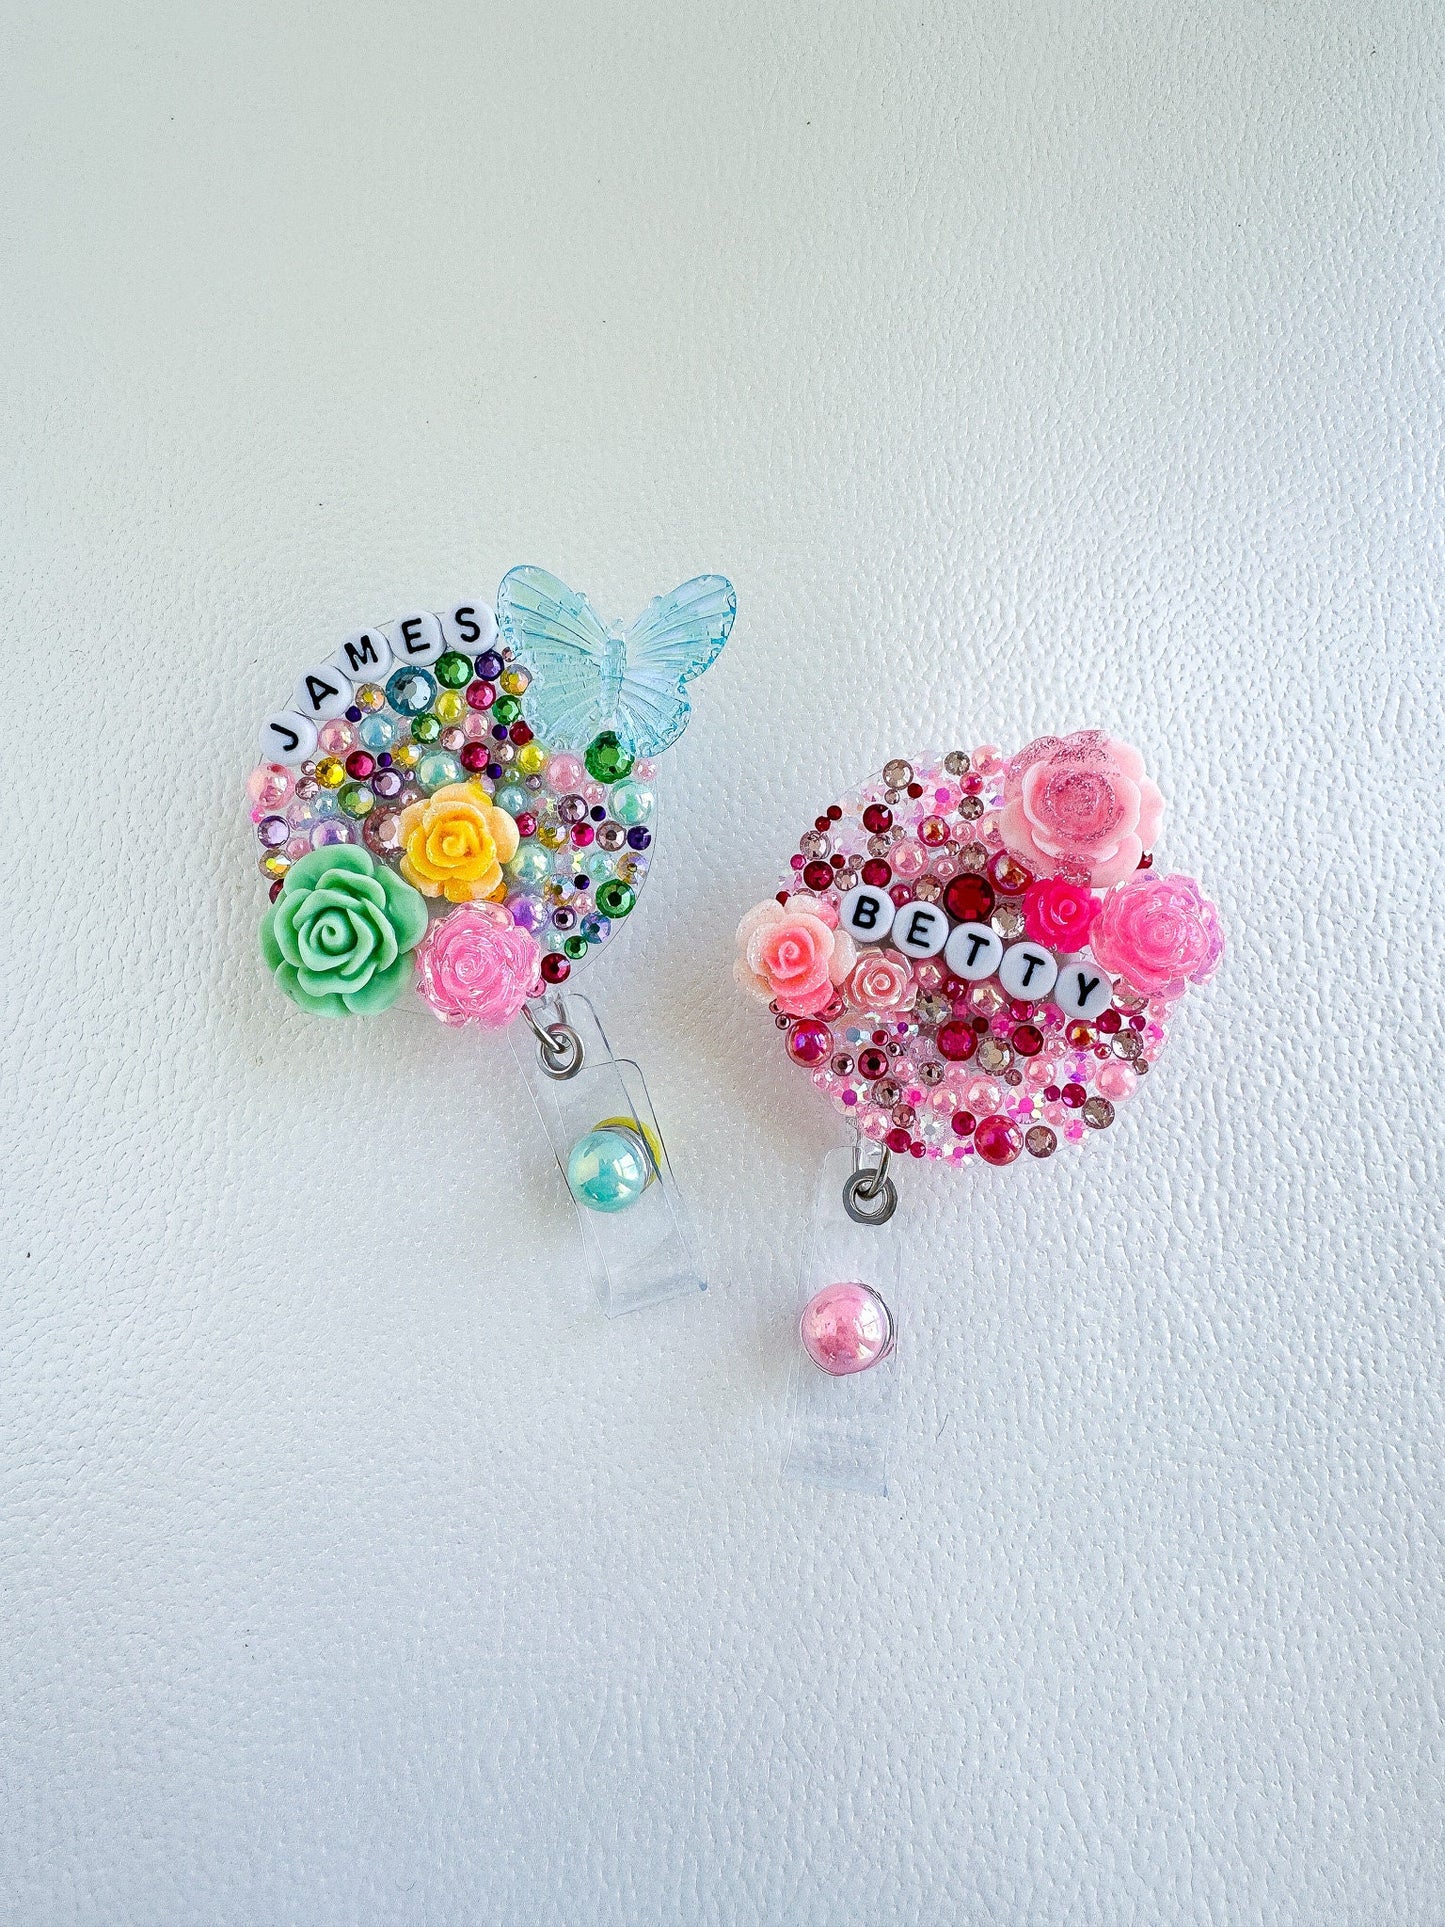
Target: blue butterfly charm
{"points": [[587, 678]]}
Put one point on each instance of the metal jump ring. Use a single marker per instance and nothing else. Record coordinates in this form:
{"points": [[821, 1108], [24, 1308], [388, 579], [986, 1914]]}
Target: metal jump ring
{"points": [[559, 1048], [869, 1194]]}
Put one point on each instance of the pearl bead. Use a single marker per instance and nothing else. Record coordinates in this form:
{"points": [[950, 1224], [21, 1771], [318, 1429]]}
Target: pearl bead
{"points": [[845, 1328], [611, 1167]]}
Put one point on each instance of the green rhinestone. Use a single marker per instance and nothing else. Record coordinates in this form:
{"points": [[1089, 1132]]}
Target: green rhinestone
{"points": [[615, 899], [453, 670], [506, 709], [607, 757], [356, 799], [425, 729], [574, 947]]}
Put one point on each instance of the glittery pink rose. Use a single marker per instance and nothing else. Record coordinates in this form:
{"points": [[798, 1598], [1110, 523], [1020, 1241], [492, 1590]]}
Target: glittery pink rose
{"points": [[476, 967], [1157, 932], [1080, 804], [1058, 913], [882, 980], [793, 955]]}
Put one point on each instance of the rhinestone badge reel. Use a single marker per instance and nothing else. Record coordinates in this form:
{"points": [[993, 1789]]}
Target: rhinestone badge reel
{"points": [[974, 960], [456, 811]]}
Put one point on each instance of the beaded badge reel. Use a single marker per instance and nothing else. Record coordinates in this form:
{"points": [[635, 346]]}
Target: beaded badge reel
{"points": [[455, 812], [974, 960]]}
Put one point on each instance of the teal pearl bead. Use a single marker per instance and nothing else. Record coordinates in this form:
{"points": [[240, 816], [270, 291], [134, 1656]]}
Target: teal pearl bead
{"points": [[512, 798], [631, 803], [529, 866], [607, 1171]]}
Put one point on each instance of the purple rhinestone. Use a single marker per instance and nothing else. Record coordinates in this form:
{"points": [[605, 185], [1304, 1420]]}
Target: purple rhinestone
{"points": [[499, 732], [639, 838], [598, 813], [385, 759], [353, 715], [581, 883], [489, 665], [494, 770]]}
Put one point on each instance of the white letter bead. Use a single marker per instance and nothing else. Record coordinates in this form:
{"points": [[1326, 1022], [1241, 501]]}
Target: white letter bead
{"points": [[287, 738], [1028, 971], [322, 694], [416, 638], [919, 930], [1083, 990], [866, 914], [973, 951], [469, 626], [364, 657]]}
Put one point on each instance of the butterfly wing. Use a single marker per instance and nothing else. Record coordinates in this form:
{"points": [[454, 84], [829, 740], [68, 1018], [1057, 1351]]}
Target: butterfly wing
{"points": [[556, 633], [675, 638]]}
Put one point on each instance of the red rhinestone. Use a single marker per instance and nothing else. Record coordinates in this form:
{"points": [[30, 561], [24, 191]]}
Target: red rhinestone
{"points": [[782, 896], [980, 1024], [1073, 1095], [972, 784], [877, 818], [817, 874], [1146, 862], [1028, 1040], [520, 734], [276, 888], [526, 824], [876, 873], [360, 765], [836, 861], [1079, 1033], [1019, 1010], [1136, 1022], [880, 1037], [820, 822], [917, 1149], [481, 695], [956, 1041], [954, 987], [915, 790], [997, 1140], [872, 1063], [901, 893], [969, 898], [476, 755], [897, 1139], [963, 1123], [1008, 873], [1051, 1094], [835, 813], [1107, 1021], [582, 835], [555, 968]]}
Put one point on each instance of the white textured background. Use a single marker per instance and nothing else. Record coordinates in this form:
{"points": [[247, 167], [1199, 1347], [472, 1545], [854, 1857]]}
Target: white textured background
{"points": [[1026, 366]]}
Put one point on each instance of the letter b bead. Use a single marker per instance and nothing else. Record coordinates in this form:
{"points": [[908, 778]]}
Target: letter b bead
{"points": [[867, 914]]}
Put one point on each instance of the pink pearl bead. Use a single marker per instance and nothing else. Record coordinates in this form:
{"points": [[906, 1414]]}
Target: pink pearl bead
{"points": [[1116, 1080], [845, 1329], [565, 773]]}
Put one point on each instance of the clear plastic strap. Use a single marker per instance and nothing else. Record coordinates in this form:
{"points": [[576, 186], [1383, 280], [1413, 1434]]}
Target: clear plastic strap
{"points": [[840, 1430], [642, 1254]]}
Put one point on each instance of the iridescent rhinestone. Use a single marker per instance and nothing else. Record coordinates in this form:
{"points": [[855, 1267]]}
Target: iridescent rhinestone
{"points": [[1008, 920], [897, 774], [987, 999], [1040, 1141], [611, 836], [994, 1055], [1098, 1113], [886, 1093], [383, 832]]}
